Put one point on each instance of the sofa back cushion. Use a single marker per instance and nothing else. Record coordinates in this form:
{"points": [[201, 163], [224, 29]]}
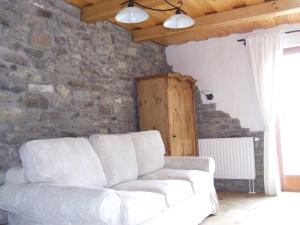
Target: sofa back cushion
{"points": [[117, 156], [64, 161], [150, 151]]}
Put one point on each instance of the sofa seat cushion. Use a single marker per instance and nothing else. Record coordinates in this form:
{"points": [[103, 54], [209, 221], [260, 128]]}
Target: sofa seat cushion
{"points": [[141, 206], [150, 151], [64, 161], [117, 155], [200, 180], [173, 190]]}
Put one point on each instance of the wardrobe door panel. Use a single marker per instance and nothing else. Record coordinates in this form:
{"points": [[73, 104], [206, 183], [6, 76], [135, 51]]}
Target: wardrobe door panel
{"points": [[188, 120], [175, 118]]}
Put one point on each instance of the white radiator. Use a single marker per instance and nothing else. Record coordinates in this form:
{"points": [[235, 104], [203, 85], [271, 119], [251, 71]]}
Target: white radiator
{"points": [[234, 157]]}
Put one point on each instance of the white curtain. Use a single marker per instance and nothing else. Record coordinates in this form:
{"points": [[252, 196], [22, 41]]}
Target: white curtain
{"points": [[265, 55]]}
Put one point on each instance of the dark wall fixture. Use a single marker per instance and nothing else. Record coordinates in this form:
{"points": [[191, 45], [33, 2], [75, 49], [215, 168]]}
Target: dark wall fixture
{"points": [[209, 96]]}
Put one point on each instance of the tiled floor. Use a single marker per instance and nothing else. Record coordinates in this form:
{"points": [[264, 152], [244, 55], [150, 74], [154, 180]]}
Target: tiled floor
{"points": [[246, 209]]}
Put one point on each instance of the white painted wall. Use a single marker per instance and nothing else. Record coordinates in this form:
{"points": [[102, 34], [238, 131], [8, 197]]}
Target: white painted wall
{"points": [[222, 66]]}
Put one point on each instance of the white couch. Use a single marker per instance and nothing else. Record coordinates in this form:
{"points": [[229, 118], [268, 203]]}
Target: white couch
{"points": [[108, 180]]}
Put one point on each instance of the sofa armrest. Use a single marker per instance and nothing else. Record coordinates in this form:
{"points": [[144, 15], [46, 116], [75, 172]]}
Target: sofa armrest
{"points": [[191, 163], [46, 203], [196, 163]]}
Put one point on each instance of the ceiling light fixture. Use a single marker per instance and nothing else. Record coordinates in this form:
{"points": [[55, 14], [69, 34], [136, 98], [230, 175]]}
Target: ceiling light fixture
{"points": [[133, 14]]}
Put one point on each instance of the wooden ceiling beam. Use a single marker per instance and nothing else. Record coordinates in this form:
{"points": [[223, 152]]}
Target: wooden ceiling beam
{"points": [[220, 6], [267, 10], [106, 10], [78, 3], [252, 2]]}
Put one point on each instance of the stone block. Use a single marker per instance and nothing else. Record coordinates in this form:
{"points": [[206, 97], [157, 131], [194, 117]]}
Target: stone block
{"points": [[4, 126], [237, 132], [4, 69], [236, 122], [132, 51], [26, 74], [122, 65], [60, 40], [2, 181], [68, 133], [50, 66], [105, 109], [221, 133], [53, 26], [216, 114], [224, 126], [51, 116], [7, 96], [34, 53], [62, 90], [16, 58], [103, 131], [36, 101], [94, 87], [80, 122], [44, 13], [246, 132], [39, 39], [12, 114], [40, 88], [118, 100], [77, 84], [107, 100], [3, 162], [3, 217], [13, 137], [61, 53], [4, 21], [76, 59], [208, 107]]}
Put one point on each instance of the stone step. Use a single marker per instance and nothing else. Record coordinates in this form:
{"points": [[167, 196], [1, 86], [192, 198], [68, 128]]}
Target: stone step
{"points": [[215, 114], [224, 133], [216, 121], [231, 123], [208, 107], [236, 122]]}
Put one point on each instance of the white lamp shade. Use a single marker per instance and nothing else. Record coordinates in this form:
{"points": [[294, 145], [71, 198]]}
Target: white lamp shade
{"points": [[179, 21], [132, 15]]}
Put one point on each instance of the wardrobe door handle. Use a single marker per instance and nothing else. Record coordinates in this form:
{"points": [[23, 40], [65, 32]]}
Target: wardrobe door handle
{"points": [[174, 135]]}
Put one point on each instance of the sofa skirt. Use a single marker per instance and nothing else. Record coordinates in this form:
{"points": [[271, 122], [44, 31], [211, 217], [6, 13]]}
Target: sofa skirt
{"points": [[191, 211], [21, 220]]}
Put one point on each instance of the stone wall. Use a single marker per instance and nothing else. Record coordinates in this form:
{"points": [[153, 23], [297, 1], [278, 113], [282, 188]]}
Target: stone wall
{"points": [[212, 123], [61, 77]]}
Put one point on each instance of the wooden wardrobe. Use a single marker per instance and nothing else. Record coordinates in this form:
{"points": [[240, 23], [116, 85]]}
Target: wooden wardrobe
{"points": [[166, 104]]}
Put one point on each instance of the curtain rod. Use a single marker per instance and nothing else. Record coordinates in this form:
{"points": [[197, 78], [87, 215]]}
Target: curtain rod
{"points": [[288, 32]]}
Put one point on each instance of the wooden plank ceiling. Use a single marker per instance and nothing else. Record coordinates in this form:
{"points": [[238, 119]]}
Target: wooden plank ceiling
{"points": [[213, 18]]}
